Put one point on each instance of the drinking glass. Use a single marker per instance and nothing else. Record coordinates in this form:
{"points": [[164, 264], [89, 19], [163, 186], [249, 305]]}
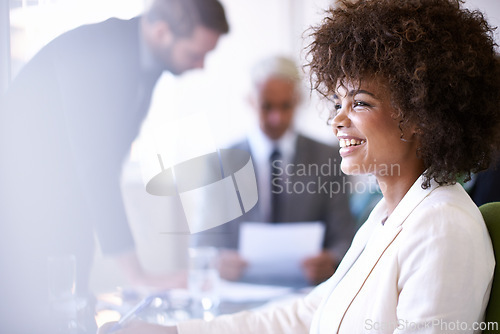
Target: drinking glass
{"points": [[61, 270], [204, 281]]}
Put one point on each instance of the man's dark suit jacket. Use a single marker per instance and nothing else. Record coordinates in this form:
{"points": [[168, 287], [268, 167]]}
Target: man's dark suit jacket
{"points": [[66, 125], [315, 205]]}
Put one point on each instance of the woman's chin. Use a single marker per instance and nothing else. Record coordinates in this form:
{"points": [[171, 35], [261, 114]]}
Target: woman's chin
{"points": [[350, 169]]}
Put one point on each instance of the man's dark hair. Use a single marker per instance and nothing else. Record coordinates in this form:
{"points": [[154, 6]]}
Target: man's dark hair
{"points": [[183, 16]]}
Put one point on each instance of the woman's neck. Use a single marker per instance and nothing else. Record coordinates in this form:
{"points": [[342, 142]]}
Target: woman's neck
{"points": [[395, 187]]}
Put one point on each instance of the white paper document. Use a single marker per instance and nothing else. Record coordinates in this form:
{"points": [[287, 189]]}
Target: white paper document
{"points": [[278, 249]]}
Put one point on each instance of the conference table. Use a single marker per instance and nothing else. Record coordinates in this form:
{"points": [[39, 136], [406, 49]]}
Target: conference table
{"points": [[172, 306]]}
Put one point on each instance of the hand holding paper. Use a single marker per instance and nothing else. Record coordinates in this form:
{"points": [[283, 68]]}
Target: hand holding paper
{"points": [[278, 250]]}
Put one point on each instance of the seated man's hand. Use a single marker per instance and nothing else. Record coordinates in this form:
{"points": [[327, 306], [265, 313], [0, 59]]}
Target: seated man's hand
{"points": [[231, 265], [319, 268], [137, 327]]}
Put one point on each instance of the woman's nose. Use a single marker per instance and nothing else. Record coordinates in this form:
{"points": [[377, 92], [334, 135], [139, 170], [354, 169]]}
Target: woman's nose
{"points": [[340, 119]]}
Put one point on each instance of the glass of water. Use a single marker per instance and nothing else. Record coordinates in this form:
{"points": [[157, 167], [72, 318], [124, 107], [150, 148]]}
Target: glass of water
{"points": [[62, 293], [204, 282]]}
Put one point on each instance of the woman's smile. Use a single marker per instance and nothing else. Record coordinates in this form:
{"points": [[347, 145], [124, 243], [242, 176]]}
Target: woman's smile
{"points": [[349, 144]]}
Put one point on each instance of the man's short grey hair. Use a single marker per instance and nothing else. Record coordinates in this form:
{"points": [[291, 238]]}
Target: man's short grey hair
{"points": [[275, 67]]}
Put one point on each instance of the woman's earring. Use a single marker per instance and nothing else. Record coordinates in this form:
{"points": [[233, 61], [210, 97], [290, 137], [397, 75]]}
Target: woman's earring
{"points": [[402, 134]]}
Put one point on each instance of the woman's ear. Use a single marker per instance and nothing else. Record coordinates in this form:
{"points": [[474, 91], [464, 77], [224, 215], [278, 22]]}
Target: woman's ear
{"points": [[409, 132], [416, 131]]}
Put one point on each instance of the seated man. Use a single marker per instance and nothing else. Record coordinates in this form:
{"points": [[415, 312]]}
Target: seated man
{"points": [[275, 144]]}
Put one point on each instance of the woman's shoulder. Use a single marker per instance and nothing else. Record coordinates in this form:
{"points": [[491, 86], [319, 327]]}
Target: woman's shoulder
{"points": [[447, 209], [452, 199]]}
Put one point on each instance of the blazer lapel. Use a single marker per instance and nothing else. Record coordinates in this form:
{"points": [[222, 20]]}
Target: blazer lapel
{"points": [[357, 247], [374, 250]]}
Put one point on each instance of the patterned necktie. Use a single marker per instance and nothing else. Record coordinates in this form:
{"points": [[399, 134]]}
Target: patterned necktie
{"points": [[276, 185]]}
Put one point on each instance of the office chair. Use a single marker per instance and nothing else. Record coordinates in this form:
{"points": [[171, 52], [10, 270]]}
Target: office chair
{"points": [[491, 215]]}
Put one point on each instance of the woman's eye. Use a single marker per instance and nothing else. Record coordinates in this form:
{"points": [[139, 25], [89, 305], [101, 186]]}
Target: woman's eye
{"points": [[337, 106], [361, 104]]}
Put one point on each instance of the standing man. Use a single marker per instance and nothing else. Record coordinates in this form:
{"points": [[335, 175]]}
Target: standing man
{"points": [[66, 125], [275, 143]]}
